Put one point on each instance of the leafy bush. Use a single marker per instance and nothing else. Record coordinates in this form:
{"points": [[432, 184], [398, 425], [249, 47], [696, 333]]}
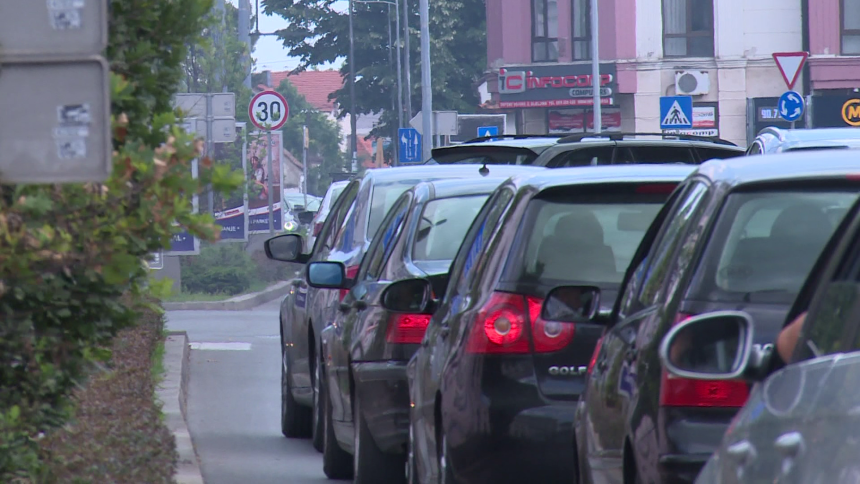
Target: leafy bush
{"points": [[69, 253], [219, 269]]}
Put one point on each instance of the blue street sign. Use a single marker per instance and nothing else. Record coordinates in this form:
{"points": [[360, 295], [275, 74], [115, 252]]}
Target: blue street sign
{"points": [[487, 131], [790, 106], [676, 112], [410, 145]]}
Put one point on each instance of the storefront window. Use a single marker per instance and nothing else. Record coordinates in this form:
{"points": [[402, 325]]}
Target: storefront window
{"points": [[688, 28], [850, 27], [581, 29], [544, 31]]}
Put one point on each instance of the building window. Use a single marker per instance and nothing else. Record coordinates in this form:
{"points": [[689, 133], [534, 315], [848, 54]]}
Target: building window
{"points": [[850, 27], [544, 31], [580, 31], [688, 28]]}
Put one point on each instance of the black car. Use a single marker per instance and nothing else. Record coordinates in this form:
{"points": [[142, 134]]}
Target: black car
{"points": [[739, 234], [800, 423], [585, 149], [345, 237], [366, 349], [494, 383]]}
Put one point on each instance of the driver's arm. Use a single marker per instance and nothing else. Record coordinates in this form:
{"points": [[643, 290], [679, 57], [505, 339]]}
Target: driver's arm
{"points": [[787, 339]]}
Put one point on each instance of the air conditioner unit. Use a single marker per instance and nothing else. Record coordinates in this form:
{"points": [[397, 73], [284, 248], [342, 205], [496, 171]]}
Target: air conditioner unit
{"points": [[692, 83]]}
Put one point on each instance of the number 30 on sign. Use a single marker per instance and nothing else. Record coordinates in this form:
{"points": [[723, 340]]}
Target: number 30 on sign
{"points": [[268, 110]]}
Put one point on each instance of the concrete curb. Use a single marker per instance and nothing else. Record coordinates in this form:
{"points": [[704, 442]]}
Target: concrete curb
{"points": [[238, 303], [173, 394]]}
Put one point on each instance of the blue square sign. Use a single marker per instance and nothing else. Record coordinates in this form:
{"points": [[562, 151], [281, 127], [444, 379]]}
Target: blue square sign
{"points": [[487, 131], [410, 145], [676, 112]]}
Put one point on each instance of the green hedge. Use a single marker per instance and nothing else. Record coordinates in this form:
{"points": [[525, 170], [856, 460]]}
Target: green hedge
{"points": [[219, 269]]}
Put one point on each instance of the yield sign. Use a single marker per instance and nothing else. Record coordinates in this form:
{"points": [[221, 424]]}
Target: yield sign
{"points": [[789, 64]]}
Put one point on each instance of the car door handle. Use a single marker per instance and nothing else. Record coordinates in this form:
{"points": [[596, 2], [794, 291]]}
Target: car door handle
{"points": [[790, 444], [743, 452], [359, 305]]}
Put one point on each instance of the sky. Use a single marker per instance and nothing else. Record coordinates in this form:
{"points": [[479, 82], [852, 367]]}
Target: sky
{"points": [[269, 53]]}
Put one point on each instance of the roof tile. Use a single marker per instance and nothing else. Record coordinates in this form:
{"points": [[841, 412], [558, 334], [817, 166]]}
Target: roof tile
{"points": [[315, 86]]}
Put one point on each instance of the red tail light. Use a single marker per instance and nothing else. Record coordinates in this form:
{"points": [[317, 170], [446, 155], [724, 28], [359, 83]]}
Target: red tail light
{"points": [[317, 228], [594, 355], [507, 323], [351, 272], [407, 328], [656, 188], [681, 392]]}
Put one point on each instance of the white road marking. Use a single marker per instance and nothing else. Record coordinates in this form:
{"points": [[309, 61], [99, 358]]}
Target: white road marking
{"points": [[220, 346]]}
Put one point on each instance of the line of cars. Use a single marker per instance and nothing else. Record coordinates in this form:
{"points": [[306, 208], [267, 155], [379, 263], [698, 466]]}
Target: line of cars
{"points": [[494, 323]]}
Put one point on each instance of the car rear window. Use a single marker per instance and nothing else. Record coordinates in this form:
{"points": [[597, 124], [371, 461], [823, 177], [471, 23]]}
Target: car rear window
{"points": [[443, 225], [574, 236], [766, 242], [490, 155]]}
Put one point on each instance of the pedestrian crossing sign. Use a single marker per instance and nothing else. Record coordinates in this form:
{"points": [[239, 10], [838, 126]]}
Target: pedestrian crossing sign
{"points": [[676, 112]]}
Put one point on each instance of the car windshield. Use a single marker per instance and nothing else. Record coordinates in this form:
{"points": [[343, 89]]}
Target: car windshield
{"points": [[583, 239], [443, 225], [765, 244]]}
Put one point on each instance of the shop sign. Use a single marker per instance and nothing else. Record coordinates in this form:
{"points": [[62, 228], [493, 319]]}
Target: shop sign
{"points": [[705, 121], [561, 121], [835, 111], [554, 86]]}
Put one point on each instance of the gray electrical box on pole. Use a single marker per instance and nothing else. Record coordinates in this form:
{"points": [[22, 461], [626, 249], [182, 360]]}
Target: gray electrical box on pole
{"points": [[54, 92]]}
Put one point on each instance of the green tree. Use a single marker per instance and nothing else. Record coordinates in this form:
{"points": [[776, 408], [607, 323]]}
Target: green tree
{"points": [[317, 34]]}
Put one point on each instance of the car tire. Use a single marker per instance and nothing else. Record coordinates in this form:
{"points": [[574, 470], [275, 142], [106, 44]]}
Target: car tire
{"points": [[295, 418], [317, 409], [370, 464], [337, 463]]}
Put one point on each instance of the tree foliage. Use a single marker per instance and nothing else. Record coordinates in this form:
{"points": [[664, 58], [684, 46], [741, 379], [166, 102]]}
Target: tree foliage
{"points": [[317, 34], [68, 253]]}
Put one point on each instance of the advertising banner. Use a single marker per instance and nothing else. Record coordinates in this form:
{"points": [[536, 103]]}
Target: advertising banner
{"points": [[835, 111], [706, 121], [561, 121], [258, 173], [547, 86], [231, 209]]}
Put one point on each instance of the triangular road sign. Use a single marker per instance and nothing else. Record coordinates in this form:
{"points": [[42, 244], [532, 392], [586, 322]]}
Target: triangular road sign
{"points": [[790, 64], [676, 116]]}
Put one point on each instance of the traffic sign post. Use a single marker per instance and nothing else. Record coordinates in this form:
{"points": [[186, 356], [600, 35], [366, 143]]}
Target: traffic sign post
{"points": [[410, 145], [488, 131], [269, 111], [790, 107], [789, 65], [676, 112]]}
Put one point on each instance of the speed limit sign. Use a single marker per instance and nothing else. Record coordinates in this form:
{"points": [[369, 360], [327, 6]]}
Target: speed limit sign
{"points": [[268, 110]]}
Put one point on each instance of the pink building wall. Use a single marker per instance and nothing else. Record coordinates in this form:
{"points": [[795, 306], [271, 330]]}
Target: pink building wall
{"points": [[824, 39]]}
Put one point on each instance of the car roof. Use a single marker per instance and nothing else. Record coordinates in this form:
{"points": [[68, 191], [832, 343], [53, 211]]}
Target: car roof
{"points": [[808, 138], [527, 143], [782, 167], [422, 172], [585, 175], [464, 186]]}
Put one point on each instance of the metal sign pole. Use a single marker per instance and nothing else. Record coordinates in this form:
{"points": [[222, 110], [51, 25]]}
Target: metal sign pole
{"points": [[210, 151], [305, 143], [269, 176], [597, 113]]}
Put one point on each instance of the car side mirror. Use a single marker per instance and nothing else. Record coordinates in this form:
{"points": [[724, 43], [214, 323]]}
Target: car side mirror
{"points": [[305, 217], [413, 296], [285, 248], [571, 304], [711, 346], [327, 275]]}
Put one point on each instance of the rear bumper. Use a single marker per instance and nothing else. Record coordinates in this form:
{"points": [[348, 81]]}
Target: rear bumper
{"points": [[680, 468], [384, 392]]}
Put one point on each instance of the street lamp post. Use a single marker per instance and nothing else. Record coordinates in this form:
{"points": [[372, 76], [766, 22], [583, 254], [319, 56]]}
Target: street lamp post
{"points": [[426, 90], [352, 120], [595, 69], [408, 93]]}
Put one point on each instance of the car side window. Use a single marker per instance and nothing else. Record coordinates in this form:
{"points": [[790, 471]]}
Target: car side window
{"points": [[834, 324], [754, 149], [661, 154], [335, 219], [663, 254], [583, 156], [385, 239], [465, 265], [706, 154]]}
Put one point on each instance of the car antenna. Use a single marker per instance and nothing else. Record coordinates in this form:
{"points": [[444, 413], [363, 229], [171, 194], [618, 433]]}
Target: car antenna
{"points": [[484, 171]]}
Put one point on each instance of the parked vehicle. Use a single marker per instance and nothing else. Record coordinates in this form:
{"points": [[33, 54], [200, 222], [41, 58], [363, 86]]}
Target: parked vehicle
{"points": [[739, 234], [334, 191], [776, 140], [800, 422], [354, 218], [494, 383], [584, 149], [365, 351]]}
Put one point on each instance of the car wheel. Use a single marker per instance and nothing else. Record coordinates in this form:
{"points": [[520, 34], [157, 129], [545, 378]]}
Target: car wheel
{"points": [[370, 464], [295, 419], [337, 463], [317, 409]]}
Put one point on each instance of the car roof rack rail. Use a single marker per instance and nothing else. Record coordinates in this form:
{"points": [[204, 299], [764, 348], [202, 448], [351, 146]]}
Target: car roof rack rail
{"points": [[616, 136], [512, 136]]}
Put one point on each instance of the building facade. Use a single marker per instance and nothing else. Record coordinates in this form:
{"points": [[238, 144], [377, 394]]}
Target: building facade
{"points": [[717, 51]]}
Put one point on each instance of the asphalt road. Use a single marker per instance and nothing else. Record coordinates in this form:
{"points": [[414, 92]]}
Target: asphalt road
{"points": [[234, 399]]}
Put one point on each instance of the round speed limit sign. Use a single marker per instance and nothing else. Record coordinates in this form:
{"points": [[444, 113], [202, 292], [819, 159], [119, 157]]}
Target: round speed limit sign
{"points": [[268, 110]]}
